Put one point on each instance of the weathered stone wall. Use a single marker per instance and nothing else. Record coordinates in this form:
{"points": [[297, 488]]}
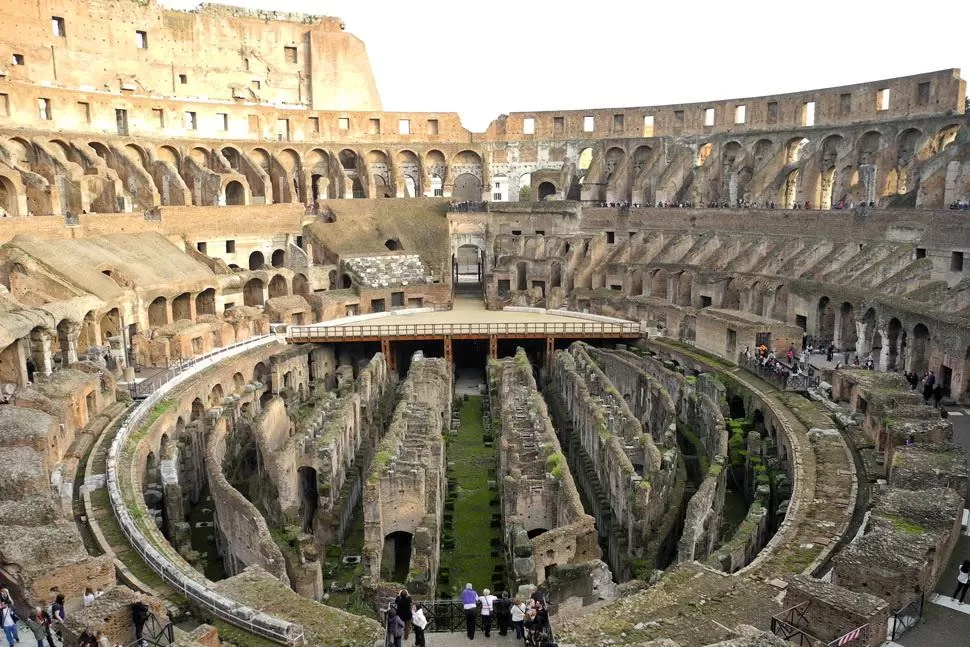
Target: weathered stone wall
{"points": [[636, 477], [245, 534], [833, 611], [536, 489], [411, 458]]}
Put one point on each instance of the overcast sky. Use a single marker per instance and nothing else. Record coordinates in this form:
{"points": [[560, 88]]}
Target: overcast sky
{"points": [[485, 58]]}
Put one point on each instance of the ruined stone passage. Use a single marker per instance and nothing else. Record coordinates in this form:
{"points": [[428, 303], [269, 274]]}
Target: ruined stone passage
{"points": [[637, 477], [542, 515], [404, 490]]}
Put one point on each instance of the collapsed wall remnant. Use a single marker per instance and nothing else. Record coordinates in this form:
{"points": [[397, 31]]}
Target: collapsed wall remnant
{"points": [[544, 523], [404, 490]]}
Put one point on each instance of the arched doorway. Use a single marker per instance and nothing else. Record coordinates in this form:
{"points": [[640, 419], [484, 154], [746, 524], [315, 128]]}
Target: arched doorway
{"points": [[277, 287], [256, 260], [235, 193], [205, 302], [8, 198], [300, 285], [468, 265], [157, 312], [825, 321], [277, 258], [467, 187], [396, 558], [920, 353], [253, 293], [546, 190]]}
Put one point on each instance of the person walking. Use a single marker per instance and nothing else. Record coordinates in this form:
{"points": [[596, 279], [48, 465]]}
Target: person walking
{"points": [[487, 601], [420, 621], [8, 620], [469, 603], [35, 622], [518, 617], [404, 603], [963, 581]]}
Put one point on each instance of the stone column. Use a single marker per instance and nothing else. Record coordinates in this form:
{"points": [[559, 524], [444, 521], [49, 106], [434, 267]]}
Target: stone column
{"points": [[68, 341], [40, 351], [884, 351], [863, 340]]}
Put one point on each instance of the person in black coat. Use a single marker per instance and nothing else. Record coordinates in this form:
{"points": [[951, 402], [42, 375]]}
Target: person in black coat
{"points": [[403, 603]]}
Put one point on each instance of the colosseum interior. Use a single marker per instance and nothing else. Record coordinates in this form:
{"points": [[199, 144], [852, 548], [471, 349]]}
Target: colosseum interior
{"points": [[269, 354]]}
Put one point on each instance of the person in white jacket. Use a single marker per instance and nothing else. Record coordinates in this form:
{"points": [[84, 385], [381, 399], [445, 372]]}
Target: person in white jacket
{"points": [[419, 621], [518, 617]]}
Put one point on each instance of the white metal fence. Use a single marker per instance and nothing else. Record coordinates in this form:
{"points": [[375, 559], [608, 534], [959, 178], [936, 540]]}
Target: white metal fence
{"points": [[176, 572]]}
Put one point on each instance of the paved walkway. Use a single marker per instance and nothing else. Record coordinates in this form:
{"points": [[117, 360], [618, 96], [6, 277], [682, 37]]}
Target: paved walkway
{"points": [[459, 639], [471, 310]]}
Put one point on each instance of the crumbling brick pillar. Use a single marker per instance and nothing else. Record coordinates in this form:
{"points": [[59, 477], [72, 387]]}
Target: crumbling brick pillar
{"points": [[40, 351]]}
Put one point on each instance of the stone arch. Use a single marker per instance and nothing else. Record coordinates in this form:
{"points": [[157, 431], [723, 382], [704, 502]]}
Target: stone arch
{"points": [[348, 160], [409, 167], [198, 410], [825, 321], [869, 335], [789, 189], [100, 150], [158, 312], [848, 337], [137, 154], [685, 283], [703, 153], [346, 282], [256, 260], [920, 351], [467, 187], [546, 190], [253, 292], [757, 298], [278, 258], [200, 156], [318, 166], [9, 200], [793, 150], [235, 193], [301, 285], [944, 137], [216, 396], [780, 308], [762, 149], [583, 160], [181, 307], [868, 146], [205, 302], [169, 155], [110, 324], [277, 287], [261, 374], [641, 157], [612, 160]]}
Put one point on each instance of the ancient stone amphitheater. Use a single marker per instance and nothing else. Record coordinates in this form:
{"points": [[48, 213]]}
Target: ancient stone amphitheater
{"points": [[269, 354]]}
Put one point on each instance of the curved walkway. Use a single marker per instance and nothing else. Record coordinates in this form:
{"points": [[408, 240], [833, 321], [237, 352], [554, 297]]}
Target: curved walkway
{"points": [[171, 568], [825, 484]]}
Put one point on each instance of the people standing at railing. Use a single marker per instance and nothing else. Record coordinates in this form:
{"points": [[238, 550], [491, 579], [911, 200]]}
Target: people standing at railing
{"points": [[469, 604], [503, 613], [487, 601], [419, 621], [518, 617], [403, 603]]}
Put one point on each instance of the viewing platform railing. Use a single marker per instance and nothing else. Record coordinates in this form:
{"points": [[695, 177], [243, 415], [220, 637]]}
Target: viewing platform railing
{"points": [[178, 573], [476, 330]]}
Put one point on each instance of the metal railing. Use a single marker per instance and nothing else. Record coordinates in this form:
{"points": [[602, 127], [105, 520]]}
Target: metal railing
{"points": [[155, 633], [853, 638], [782, 378], [790, 625], [579, 329], [907, 617], [178, 574], [449, 616]]}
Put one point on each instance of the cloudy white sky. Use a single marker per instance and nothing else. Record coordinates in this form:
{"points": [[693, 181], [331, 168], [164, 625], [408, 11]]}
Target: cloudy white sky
{"points": [[485, 58]]}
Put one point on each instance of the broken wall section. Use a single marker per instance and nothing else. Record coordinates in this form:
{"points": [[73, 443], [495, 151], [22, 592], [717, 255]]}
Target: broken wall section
{"points": [[542, 515], [404, 490]]}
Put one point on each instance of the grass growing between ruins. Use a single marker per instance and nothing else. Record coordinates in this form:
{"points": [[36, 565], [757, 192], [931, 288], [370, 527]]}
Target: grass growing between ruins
{"points": [[473, 558]]}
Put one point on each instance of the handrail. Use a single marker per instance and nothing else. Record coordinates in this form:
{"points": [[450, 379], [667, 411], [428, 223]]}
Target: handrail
{"points": [[632, 329], [185, 579]]}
